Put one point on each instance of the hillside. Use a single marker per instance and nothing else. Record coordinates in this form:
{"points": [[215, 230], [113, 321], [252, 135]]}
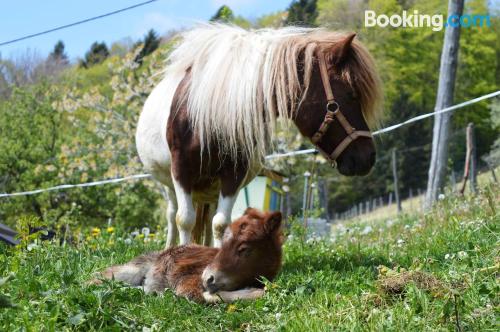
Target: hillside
{"points": [[416, 272]]}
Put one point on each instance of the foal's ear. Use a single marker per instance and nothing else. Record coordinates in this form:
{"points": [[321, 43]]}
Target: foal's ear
{"points": [[340, 51], [272, 221]]}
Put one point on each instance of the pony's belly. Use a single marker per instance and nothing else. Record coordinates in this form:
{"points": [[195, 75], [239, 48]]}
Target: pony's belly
{"points": [[151, 135], [208, 195]]}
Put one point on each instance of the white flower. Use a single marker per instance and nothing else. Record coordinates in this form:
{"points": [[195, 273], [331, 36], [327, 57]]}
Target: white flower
{"points": [[407, 226], [400, 242], [367, 230], [127, 241], [278, 315], [441, 197], [134, 233], [145, 231], [32, 246], [462, 254], [449, 256]]}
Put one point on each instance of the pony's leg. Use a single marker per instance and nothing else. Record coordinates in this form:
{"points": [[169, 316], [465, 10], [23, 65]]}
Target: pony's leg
{"points": [[222, 217], [185, 217], [207, 241], [171, 211]]}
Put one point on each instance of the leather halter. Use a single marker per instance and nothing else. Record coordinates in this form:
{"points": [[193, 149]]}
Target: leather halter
{"points": [[333, 112]]}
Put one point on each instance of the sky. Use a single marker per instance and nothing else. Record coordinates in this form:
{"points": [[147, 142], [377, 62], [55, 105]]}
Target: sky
{"points": [[23, 17]]}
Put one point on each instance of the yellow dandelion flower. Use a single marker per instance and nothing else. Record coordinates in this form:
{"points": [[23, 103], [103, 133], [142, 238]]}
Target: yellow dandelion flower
{"points": [[95, 231], [140, 236], [231, 308], [110, 229], [151, 235]]}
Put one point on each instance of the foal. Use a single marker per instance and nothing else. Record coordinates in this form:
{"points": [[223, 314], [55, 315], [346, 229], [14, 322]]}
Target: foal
{"points": [[251, 249]]}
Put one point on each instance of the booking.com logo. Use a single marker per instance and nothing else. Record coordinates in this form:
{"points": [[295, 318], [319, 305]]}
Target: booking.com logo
{"points": [[417, 20]]}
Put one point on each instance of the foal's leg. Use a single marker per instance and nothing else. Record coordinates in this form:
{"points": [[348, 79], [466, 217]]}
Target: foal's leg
{"points": [[171, 211], [231, 296], [186, 215]]}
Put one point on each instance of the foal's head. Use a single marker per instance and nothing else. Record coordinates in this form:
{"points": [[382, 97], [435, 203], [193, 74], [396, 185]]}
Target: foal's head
{"points": [[355, 86], [251, 249]]}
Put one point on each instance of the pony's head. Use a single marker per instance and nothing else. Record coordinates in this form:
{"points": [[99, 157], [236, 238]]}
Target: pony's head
{"points": [[335, 109], [251, 249]]}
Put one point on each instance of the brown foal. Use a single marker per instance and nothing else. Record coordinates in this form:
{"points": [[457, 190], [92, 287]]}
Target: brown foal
{"points": [[251, 249]]}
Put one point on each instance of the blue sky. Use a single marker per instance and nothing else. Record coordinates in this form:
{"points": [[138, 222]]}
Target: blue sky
{"points": [[22, 17]]}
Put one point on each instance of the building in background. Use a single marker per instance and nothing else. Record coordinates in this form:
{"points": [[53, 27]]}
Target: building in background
{"points": [[264, 192]]}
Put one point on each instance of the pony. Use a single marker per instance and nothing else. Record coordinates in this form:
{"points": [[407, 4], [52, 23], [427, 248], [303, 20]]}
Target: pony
{"points": [[251, 249], [207, 126]]}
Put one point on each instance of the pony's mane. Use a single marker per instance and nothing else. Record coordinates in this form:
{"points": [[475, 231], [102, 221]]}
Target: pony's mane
{"points": [[243, 81]]}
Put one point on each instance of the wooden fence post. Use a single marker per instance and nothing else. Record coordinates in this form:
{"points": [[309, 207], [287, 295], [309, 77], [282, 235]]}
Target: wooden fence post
{"points": [[473, 160], [305, 197], [395, 177], [470, 162], [444, 98]]}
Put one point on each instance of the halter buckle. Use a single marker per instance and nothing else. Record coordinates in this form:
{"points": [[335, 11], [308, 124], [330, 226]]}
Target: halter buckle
{"points": [[332, 106]]}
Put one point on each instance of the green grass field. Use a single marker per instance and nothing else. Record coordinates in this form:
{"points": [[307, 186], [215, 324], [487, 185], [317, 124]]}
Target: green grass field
{"points": [[430, 272]]}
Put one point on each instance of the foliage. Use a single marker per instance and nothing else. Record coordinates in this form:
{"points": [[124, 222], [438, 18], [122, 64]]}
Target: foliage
{"points": [[98, 53], [417, 272], [93, 112], [274, 20], [58, 53], [224, 15], [302, 12], [79, 131], [148, 45]]}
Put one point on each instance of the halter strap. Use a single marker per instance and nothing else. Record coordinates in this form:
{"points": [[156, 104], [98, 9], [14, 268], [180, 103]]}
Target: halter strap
{"points": [[333, 112]]}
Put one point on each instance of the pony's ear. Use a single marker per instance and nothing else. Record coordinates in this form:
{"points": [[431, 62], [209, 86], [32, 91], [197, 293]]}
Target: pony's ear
{"points": [[340, 52], [254, 213], [272, 221]]}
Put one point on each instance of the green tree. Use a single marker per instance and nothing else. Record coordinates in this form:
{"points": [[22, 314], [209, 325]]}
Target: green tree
{"points": [[224, 14], [98, 53], [58, 54], [302, 12], [149, 44]]}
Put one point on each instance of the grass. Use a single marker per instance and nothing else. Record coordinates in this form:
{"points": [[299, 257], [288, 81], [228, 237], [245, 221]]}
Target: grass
{"points": [[430, 272], [414, 204]]}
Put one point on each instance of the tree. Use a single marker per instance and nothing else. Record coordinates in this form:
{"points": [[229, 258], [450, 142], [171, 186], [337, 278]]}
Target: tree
{"points": [[98, 53], [58, 54], [149, 45], [302, 12], [447, 75], [224, 14]]}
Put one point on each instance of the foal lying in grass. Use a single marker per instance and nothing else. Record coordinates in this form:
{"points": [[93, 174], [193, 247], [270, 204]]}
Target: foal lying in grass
{"points": [[251, 249]]}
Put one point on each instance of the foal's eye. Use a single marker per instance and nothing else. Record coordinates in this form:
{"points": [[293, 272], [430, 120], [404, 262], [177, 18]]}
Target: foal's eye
{"points": [[243, 250]]}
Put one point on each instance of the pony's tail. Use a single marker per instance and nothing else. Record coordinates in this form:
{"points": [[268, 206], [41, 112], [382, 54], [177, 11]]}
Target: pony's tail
{"points": [[133, 272], [202, 231]]}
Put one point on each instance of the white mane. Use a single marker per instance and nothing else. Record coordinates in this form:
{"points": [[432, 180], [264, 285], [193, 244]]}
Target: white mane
{"points": [[242, 81]]}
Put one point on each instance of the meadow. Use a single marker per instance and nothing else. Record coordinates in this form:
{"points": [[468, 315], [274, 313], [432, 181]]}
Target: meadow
{"points": [[415, 272]]}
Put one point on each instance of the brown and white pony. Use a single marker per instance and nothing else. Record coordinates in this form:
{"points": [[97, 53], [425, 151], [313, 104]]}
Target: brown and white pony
{"points": [[251, 249], [207, 126]]}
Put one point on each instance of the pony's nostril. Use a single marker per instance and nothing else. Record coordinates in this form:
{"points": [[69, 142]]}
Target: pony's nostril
{"points": [[210, 280]]}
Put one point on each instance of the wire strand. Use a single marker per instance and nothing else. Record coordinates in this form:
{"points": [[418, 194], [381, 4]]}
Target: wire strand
{"points": [[76, 23]]}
